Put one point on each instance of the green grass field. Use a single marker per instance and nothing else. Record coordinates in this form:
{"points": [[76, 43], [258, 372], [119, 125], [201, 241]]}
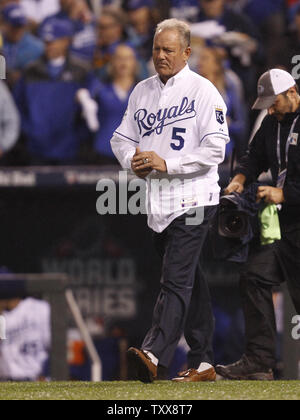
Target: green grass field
{"points": [[160, 390]]}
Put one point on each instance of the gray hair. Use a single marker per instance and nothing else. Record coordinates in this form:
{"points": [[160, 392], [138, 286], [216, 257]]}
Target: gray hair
{"points": [[180, 26]]}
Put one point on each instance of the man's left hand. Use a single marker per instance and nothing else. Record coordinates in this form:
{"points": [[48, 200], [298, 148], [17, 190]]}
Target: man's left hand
{"points": [[270, 195], [148, 160]]}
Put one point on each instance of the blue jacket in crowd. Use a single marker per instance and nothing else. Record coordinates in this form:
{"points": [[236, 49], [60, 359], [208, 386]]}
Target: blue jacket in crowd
{"points": [[84, 36], [49, 111], [110, 114], [19, 55]]}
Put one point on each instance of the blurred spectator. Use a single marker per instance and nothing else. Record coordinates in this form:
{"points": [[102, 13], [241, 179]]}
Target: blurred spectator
{"points": [[38, 10], [24, 353], [258, 11], [184, 9], [111, 31], [291, 3], [46, 97], [112, 98], [19, 46], [9, 121], [4, 3], [235, 32], [142, 27], [291, 11], [79, 15], [268, 16], [211, 66], [35, 10], [289, 57], [97, 5]]}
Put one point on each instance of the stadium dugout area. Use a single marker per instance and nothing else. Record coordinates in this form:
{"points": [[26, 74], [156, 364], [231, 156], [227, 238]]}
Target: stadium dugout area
{"points": [[55, 289]]}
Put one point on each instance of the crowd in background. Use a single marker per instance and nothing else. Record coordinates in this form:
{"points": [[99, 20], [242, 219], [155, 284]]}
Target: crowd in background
{"points": [[72, 64]]}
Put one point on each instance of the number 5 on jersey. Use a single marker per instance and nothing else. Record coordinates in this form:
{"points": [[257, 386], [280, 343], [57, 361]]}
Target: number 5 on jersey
{"points": [[179, 140]]}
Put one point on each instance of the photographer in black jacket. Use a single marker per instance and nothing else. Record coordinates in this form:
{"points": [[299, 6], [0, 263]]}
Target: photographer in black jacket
{"points": [[276, 146]]}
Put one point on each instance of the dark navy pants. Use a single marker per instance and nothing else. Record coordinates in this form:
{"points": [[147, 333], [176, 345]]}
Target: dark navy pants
{"points": [[184, 303], [268, 267]]}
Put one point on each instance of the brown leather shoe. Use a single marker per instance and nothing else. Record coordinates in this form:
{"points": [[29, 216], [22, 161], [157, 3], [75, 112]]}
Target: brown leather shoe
{"points": [[192, 375], [141, 364]]}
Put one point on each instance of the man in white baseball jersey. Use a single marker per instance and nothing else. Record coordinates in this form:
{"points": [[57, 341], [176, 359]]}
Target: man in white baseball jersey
{"points": [[25, 349], [174, 135]]}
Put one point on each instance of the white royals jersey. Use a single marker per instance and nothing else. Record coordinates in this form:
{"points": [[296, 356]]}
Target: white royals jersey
{"points": [[184, 122], [25, 350]]}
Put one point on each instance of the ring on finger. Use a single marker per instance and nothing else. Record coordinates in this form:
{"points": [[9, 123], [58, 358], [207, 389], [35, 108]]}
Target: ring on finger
{"points": [[146, 160]]}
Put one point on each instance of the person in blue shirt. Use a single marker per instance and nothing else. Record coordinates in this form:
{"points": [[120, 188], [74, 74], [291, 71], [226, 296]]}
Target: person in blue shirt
{"points": [[259, 11], [19, 46], [80, 16], [111, 31], [112, 98], [46, 98], [141, 27]]}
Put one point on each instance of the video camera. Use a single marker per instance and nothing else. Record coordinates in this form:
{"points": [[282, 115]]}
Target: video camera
{"points": [[235, 225], [232, 223]]}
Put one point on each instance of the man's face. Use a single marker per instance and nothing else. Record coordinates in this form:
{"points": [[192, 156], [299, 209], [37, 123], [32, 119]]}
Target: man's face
{"points": [[66, 5], [13, 33], [140, 19], [56, 49], [208, 64], [169, 56], [109, 30], [123, 62], [283, 105]]}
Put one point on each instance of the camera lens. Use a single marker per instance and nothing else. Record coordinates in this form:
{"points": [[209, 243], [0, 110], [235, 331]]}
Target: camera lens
{"points": [[234, 224]]}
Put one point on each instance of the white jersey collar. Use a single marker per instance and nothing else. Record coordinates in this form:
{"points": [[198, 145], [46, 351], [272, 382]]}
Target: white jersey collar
{"points": [[175, 78]]}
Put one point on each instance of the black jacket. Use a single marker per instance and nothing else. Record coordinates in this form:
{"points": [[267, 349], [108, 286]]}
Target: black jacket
{"points": [[262, 156]]}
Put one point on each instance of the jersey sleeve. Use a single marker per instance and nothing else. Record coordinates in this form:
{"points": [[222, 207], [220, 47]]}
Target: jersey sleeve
{"points": [[212, 137], [212, 121], [125, 139], [128, 129]]}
